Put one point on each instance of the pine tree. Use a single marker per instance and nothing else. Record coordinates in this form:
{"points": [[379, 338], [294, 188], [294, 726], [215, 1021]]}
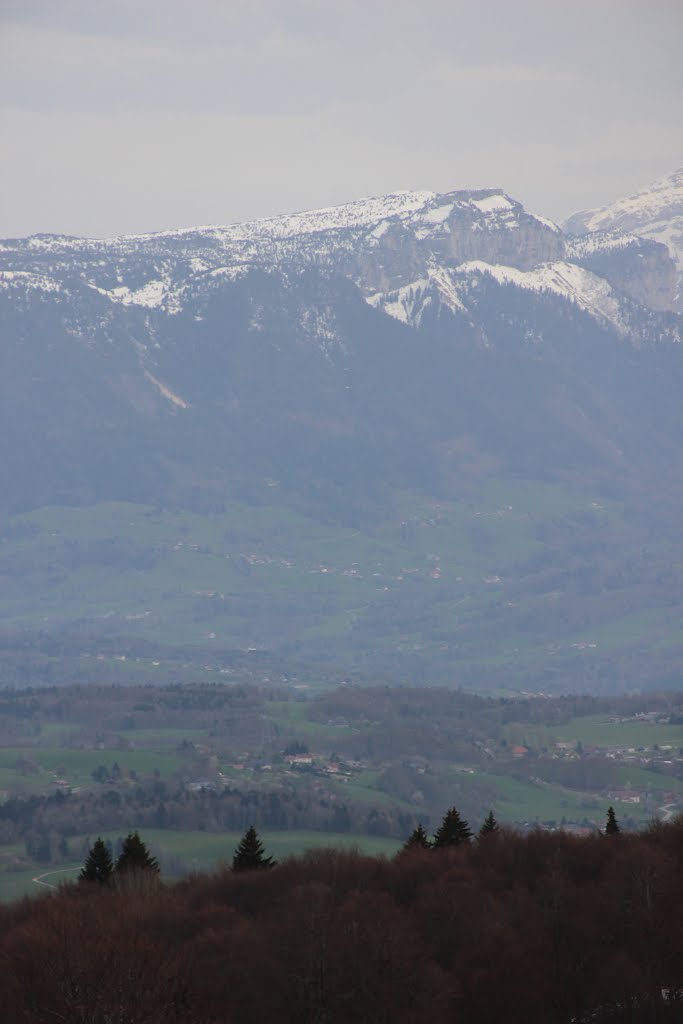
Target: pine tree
{"points": [[98, 866], [417, 840], [249, 854], [612, 825], [489, 827], [135, 856], [453, 831]]}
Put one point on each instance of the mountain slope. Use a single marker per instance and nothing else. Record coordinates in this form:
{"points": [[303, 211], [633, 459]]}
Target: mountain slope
{"points": [[227, 352], [376, 372], [655, 212]]}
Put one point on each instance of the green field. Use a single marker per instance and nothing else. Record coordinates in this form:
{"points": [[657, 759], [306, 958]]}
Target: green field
{"points": [[597, 730], [200, 851], [520, 800], [41, 765], [265, 576]]}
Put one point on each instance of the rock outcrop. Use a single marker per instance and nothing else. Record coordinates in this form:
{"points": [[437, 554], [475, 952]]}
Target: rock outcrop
{"points": [[639, 267]]}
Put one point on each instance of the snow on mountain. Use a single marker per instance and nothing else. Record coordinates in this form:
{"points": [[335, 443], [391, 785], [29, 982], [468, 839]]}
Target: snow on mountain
{"points": [[591, 293], [380, 243], [365, 341], [25, 281], [662, 199], [407, 303], [655, 212], [639, 267], [410, 254], [449, 287]]}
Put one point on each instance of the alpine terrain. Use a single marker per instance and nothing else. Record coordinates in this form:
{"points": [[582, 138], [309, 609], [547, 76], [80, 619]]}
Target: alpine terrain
{"points": [[425, 436]]}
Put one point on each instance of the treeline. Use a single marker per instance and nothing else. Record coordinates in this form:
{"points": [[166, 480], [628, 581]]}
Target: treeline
{"points": [[34, 660], [540, 929], [48, 826]]}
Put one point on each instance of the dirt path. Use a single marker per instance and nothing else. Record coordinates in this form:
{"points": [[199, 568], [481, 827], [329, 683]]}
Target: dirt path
{"points": [[667, 811], [48, 885]]}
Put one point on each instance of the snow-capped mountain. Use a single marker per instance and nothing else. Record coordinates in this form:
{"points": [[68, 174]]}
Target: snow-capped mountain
{"points": [[655, 213], [384, 245], [380, 243], [365, 341]]}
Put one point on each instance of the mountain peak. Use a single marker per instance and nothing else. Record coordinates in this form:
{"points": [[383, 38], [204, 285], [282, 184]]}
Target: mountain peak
{"points": [[654, 212], [661, 199]]}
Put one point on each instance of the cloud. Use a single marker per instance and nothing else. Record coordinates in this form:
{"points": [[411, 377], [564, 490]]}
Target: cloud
{"points": [[150, 114]]}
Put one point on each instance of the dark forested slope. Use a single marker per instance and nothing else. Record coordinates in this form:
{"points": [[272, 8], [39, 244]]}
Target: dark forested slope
{"points": [[545, 928]]}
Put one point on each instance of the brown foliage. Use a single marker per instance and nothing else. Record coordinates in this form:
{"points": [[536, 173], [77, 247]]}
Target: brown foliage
{"points": [[529, 930]]}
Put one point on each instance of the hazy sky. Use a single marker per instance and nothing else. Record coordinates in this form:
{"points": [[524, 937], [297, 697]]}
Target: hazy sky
{"points": [[137, 115]]}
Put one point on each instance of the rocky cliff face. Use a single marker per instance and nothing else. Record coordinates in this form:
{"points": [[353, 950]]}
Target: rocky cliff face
{"points": [[656, 212], [449, 230], [639, 267], [381, 244], [347, 353]]}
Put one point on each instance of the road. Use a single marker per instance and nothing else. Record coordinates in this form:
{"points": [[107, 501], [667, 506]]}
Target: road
{"points": [[668, 811], [48, 885]]}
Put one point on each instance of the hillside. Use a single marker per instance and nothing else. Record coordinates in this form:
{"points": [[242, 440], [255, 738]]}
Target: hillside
{"points": [[654, 213], [521, 929], [423, 435]]}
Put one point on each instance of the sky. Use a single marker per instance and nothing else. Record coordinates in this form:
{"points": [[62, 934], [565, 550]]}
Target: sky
{"points": [[143, 115]]}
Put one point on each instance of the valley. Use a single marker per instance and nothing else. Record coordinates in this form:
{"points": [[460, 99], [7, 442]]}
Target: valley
{"points": [[519, 586], [191, 766]]}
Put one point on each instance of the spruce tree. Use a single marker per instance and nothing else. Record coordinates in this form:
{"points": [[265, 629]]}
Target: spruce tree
{"points": [[611, 825], [98, 866], [249, 854], [453, 831], [489, 827], [135, 856], [417, 840]]}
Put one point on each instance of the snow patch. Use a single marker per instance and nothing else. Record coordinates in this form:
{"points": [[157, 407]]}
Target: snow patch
{"points": [[29, 281], [409, 303], [380, 230], [588, 291], [150, 295], [233, 273], [360, 213], [493, 204], [436, 215], [404, 304], [445, 281]]}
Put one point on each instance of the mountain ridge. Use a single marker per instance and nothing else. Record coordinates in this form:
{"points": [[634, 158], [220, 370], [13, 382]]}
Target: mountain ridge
{"points": [[654, 212], [381, 379]]}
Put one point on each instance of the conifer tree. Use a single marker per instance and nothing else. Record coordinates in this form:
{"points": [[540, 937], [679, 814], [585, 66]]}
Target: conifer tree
{"points": [[249, 854], [453, 831], [135, 856], [417, 840], [489, 827], [98, 866], [611, 825]]}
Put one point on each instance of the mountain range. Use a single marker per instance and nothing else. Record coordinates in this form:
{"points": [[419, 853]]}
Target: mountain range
{"points": [[339, 361]]}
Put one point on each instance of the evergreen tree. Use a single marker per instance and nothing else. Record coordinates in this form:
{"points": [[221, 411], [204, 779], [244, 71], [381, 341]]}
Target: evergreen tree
{"points": [[612, 825], [489, 827], [135, 856], [453, 831], [417, 840], [249, 854], [98, 866]]}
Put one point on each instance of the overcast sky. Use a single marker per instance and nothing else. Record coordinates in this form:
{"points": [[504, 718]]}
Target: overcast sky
{"points": [[139, 115]]}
